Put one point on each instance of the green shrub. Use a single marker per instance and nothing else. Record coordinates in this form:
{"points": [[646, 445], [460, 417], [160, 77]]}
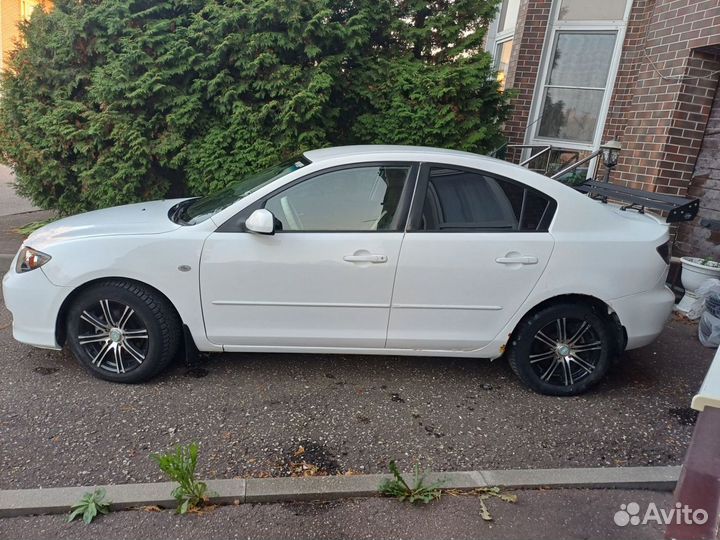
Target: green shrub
{"points": [[115, 101], [180, 466], [402, 491], [90, 506]]}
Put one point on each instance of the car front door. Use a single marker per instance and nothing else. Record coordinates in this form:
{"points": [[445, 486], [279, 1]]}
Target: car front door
{"points": [[325, 278], [475, 248]]}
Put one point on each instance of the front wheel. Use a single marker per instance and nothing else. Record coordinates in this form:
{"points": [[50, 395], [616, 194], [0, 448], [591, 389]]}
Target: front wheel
{"points": [[121, 331], [562, 350]]}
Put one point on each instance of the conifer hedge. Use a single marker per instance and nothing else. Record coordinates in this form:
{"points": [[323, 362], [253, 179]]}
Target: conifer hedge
{"points": [[115, 101]]}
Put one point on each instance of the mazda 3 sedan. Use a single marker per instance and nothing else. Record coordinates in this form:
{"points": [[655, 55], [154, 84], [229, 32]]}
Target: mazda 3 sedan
{"points": [[366, 249]]}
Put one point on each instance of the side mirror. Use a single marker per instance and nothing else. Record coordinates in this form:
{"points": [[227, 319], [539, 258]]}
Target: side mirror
{"points": [[261, 221]]}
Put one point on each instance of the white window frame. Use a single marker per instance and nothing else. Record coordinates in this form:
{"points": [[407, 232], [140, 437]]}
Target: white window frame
{"points": [[496, 38], [554, 27]]}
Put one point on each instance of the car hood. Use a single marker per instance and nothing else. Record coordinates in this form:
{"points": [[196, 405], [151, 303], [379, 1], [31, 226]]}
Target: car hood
{"points": [[132, 219]]}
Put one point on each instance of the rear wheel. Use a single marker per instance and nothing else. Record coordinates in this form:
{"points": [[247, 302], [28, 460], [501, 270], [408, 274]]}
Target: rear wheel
{"points": [[122, 332], [562, 350]]}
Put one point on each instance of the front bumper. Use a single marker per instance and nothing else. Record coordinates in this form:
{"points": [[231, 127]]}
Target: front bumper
{"points": [[644, 315], [34, 303]]}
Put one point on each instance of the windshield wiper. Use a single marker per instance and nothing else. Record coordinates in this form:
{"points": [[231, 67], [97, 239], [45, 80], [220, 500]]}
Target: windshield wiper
{"points": [[175, 213]]}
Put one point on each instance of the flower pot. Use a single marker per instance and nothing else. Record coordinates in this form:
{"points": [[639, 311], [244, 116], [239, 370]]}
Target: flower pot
{"points": [[694, 273]]}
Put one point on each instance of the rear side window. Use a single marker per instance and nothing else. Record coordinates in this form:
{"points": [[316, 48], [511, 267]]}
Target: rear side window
{"points": [[462, 200]]}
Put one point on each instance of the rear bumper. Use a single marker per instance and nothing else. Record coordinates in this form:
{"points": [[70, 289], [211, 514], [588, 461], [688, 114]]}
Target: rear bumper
{"points": [[34, 303], [644, 315]]}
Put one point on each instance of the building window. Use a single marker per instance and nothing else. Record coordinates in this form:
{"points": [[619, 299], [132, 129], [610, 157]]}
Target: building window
{"points": [[508, 15], [592, 10], [579, 64], [500, 37], [575, 85], [502, 60]]}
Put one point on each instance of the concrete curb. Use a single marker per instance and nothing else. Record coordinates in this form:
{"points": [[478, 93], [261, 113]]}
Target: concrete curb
{"points": [[17, 502]]}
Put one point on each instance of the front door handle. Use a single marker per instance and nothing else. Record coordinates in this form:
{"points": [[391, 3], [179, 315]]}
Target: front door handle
{"points": [[366, 258], [517, 260]]}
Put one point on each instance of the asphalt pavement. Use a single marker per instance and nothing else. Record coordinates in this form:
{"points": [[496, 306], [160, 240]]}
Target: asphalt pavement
{"points": [[552, 515], [276, 415]]}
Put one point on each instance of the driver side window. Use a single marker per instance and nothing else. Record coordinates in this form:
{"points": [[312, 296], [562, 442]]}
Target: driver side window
{"points": [[367, 198]]}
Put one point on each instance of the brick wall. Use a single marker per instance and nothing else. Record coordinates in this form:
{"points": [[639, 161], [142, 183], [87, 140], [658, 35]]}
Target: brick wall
{"points": [[666, 107], [631, 61], [671, 99], [702, 236], [525, 63]]}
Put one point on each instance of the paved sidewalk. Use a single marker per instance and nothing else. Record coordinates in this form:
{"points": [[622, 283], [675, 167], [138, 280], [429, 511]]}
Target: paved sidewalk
{"points": [[553, 515], [10, 202]]}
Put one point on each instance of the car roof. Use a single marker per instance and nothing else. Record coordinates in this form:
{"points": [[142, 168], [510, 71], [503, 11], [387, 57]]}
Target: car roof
{"points": [[440, 155], [323, 154]]}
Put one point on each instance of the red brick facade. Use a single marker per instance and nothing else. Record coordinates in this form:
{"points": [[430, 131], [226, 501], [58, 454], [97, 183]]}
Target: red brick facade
{"points": [[702, 236], [666, 82], [525, 63]]}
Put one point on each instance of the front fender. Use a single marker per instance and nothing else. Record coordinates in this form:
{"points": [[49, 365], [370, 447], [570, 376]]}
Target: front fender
{"points": [[168, 262]]}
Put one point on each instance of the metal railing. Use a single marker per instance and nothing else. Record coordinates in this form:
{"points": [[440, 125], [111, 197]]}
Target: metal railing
{"points": [[555, 169], [545, 150], [572, 167]]}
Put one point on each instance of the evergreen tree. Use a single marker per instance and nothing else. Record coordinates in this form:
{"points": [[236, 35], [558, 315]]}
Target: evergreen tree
{"points": [[114, 101]]}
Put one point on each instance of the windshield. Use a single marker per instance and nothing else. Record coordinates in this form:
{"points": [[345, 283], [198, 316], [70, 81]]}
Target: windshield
{"points": [[193, 211]]}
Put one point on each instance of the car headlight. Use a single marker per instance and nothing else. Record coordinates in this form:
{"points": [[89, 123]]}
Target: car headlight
{"points": [[30, 259]]}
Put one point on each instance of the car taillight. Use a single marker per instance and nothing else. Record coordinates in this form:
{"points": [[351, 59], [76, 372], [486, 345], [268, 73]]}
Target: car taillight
{"points": [[664, 252]]}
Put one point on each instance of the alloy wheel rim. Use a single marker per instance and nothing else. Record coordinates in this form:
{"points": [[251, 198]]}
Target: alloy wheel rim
{"points": [[565, 351], [114, 336]]}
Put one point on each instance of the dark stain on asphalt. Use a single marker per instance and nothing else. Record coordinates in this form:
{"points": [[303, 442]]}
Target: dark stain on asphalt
{"points": [[685, 415], [308, 458], [196, 372]]}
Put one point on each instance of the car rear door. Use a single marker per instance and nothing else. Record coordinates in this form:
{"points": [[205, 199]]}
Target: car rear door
{"points": [[325, 278], [475, 247]]}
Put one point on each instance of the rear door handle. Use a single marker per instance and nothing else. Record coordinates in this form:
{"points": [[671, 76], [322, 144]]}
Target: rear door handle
{"points": [[517, 260], [368, 258]]}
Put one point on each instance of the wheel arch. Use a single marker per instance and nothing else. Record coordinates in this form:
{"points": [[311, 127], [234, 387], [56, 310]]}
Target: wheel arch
{"points": [[60, 326], [601, 307]]}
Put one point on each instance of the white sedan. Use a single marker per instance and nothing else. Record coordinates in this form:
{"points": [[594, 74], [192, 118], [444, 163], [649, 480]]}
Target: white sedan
{"points": [[366, 249]]}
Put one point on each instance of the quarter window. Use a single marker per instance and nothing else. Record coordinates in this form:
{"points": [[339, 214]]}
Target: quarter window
{"points": [[356, 199], [461, 200]]}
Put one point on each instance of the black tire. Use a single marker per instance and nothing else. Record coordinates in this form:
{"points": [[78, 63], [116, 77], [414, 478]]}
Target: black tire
{"points": [[556, 370], [123, 332]]}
